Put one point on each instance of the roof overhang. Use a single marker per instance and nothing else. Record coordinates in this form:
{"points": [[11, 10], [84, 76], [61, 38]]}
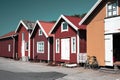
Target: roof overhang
{"points": [[37, 22], [21, 22], [89, 12], [63, 17], [9, 36]]}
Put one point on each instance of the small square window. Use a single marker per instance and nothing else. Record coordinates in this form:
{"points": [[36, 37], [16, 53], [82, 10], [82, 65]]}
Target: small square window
{"points": [[57, 45], [40, 32], [40, 47], [9, 48], [64, 26], [26, 46], [23, 36], [73, 44], [112, 9]]}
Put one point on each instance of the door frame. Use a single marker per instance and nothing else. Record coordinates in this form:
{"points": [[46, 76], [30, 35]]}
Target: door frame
{"points": [[109, 50], [66, 43]]}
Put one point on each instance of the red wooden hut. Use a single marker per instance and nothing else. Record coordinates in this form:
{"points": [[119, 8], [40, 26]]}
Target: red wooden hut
{"points": [[69, 40], [42, 42], [8, 45], [24, 30]]}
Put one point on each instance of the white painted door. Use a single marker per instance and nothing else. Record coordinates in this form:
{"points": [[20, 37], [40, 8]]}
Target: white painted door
{"points": [[65, 49], [108, 50]]}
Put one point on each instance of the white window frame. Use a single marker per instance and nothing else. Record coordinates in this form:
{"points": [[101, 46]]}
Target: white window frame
{"points": [[9, 48], [40, 32], [112, 14], [38, 45], [57, 45], [26, 46], [73, 45], [62, 30]]}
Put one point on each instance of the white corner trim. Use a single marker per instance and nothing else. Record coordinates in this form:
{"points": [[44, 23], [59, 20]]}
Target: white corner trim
{"points": [[55, 25], [63, 17], [48, 49], [78, 46], [21, 22], [70, 23], [90, 11], [29, 43]]}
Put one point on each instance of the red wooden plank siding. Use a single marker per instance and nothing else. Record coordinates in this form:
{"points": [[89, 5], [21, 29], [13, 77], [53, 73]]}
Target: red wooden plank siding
{"points": [[22, 30]]}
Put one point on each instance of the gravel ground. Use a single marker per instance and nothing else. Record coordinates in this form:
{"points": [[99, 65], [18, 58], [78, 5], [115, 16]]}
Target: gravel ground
{"points": [[17, 70]]}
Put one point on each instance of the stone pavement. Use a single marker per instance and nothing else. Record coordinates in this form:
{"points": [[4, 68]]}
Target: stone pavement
{"points": [[77, 73]]}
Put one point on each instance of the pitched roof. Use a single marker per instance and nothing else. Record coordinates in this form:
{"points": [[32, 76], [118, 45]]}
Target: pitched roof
{"points": [[74, 20], [89, 12], [27, 24], [71, 20], [45, 26], [10, 34]]}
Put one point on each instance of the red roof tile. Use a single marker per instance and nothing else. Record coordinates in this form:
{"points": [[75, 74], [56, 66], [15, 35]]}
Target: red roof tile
{"points": [[75, 21], [8, 34], [47, 26]]}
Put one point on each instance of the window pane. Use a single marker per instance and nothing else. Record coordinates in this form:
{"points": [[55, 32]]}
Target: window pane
{"points": [[26, 45], [112, 9], [64, 26], [40, 47], [109, 13], [114, 12], [73, 44], [109, 6], [9, 48], [57, 45], [23, 35], [40, 32]]}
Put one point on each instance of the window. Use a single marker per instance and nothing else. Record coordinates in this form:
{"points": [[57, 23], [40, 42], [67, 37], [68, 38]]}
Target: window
{"points": [[73, 44], [26, 46], [112, 9], [40, 47], [64, 26], [57, 45], [23, 36], [40, 32], [9, 48]]}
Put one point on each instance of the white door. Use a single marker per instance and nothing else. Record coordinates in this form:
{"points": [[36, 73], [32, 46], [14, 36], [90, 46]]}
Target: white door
{"points": [[65, 49], [108, 50]]}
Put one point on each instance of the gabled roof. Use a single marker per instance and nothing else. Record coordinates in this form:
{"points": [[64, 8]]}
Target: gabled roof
{"points": [[44, 26], [27, 24], [10, 34], [71, 20], [89, 12]]}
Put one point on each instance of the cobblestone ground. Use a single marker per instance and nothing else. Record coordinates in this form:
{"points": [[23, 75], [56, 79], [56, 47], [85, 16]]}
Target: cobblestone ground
{"points": [[41, 71]]}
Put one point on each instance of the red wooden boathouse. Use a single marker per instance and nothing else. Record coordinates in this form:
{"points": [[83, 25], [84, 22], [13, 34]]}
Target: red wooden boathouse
{"points": [[8, 45], [69, 40], [42, 42], [23, 31]]}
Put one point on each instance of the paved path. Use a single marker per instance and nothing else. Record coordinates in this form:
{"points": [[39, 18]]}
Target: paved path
{"points": [[18, 70]]}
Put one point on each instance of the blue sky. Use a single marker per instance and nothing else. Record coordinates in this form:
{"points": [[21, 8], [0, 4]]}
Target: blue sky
{"points": [[12, 11]]}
